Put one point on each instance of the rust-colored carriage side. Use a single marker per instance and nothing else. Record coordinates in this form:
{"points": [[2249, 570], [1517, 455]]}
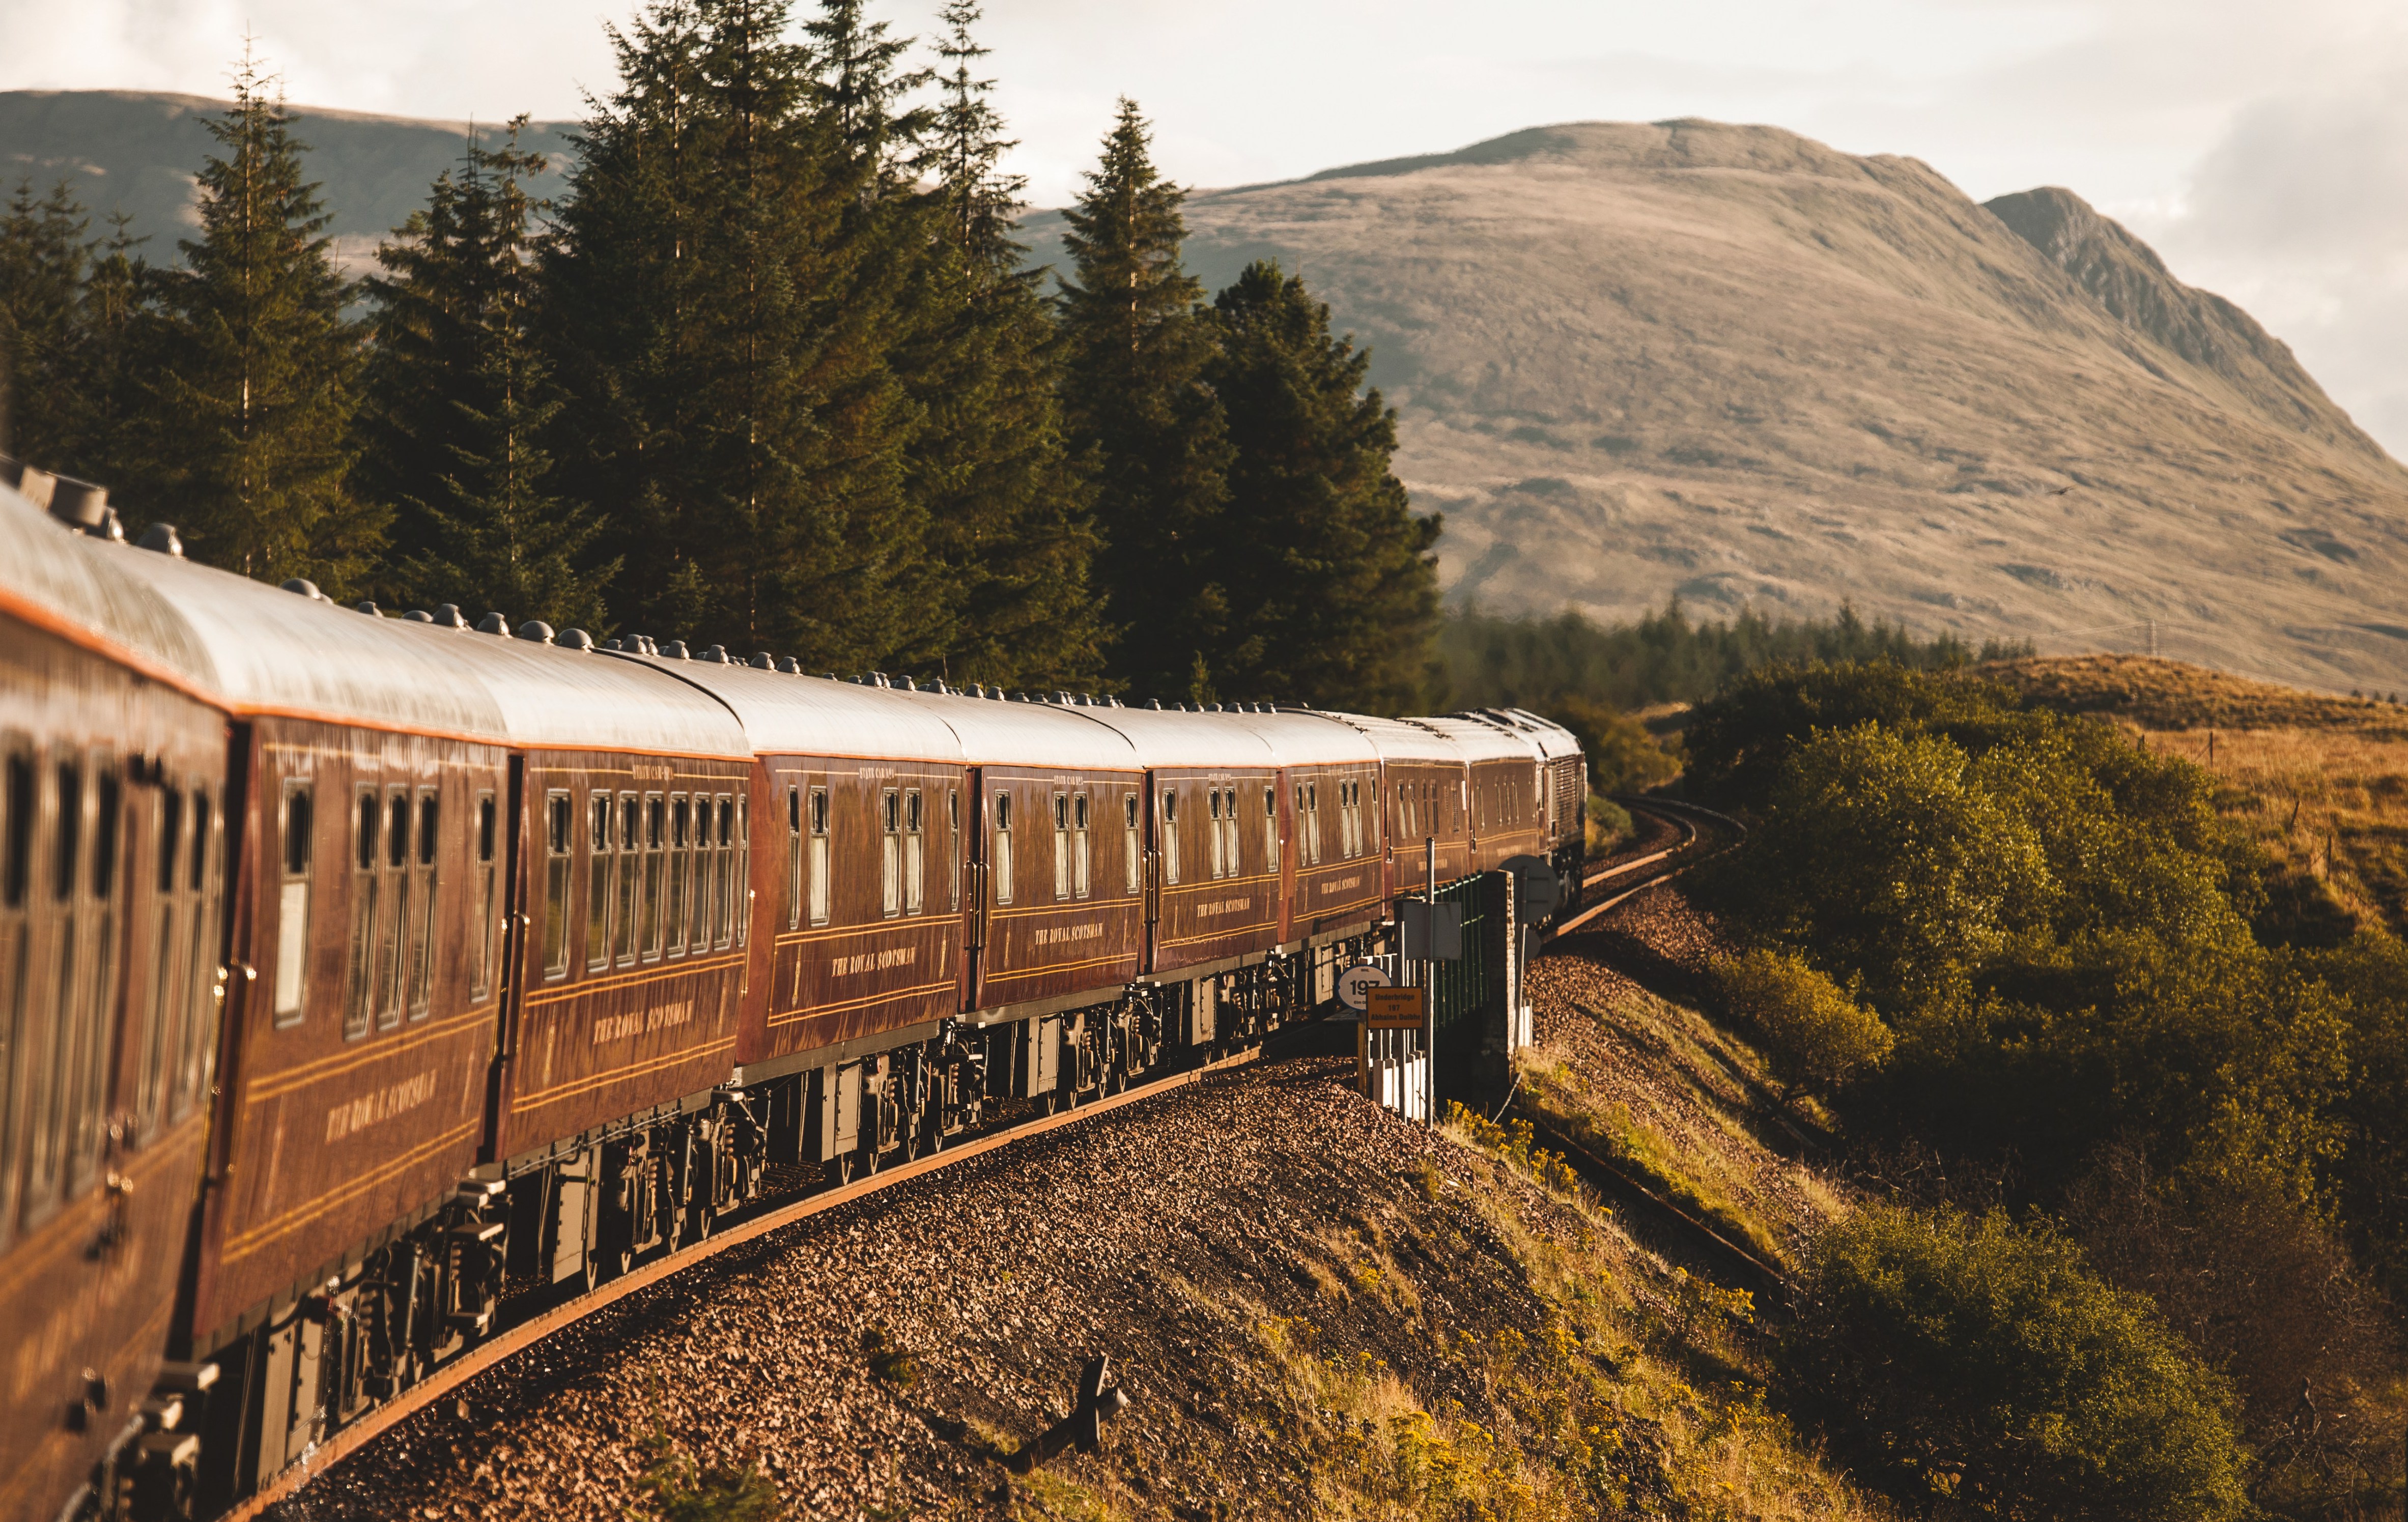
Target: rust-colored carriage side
{"points": [[367, 930], [1337, 880], [636, 873], [1063, 910], [1219, 890], [863, 882], [111, 799]]}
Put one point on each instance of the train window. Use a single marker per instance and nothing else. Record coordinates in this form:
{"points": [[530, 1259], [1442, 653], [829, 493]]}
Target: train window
{"points": [[890, 853], [793, 857], [953, 844], [54, 1100], [1270, 829], [293, 904], [158, 1030], [1132, 857], [1061, 845], [368, 824], [999, 853], [422, 930], [623, 925], [656, 827], [1215, 856], [819, 856], [394, 936], [731, 882], [680, 870], [88, 1007], [1079, 857], [480, 962], [697, 899], [196, 1035], [1308, 828], [17, 803], [1170, 834], [559, 843], [600, 859], [914, 866]]}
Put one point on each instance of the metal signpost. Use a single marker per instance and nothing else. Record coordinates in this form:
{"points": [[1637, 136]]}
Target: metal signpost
{"points": [[1429, 976]]}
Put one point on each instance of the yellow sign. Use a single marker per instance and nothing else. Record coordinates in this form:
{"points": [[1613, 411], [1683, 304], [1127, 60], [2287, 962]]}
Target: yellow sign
{"points": [[1394, 1009]]}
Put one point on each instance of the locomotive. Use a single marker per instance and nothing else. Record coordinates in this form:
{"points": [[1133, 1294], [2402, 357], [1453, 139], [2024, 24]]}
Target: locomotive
{"points": [[357, 971]]}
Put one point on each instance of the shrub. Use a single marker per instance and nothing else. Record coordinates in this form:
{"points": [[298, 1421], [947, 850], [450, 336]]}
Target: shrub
{"points": [[1968, 1355], [1881, 853], [1609, 823], [1623, 757], [1817, 1036]]}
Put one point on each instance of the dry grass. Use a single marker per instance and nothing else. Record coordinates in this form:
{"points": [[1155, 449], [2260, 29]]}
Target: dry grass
{"points": [[2319, 783]]}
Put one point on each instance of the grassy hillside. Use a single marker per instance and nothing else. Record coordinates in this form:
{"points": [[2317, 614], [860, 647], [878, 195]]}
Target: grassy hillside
{"points": [[2319, 783]]}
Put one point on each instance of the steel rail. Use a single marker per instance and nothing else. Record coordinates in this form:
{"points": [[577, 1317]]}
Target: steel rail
{"points": [[1664, 810], [526, 1334]]}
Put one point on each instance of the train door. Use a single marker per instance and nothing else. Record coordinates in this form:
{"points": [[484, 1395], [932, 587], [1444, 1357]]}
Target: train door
{"points": [[976, 855]]}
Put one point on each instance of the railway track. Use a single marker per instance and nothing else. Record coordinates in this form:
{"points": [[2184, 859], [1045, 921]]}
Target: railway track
{"points": [[1633, 877], [772, 1217]]}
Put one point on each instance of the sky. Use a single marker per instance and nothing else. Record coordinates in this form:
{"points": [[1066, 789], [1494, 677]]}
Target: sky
{"points": [[2261, 146]]}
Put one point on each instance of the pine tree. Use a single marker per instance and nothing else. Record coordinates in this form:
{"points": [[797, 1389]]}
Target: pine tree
{"points": [[1008, 507], [43, 262], [254, 400], [113, 365], [458, 398], [723, 321], [1336, 601], [1135, 350]]}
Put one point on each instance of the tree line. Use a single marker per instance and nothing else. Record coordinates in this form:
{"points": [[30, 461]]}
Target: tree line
{"points": [[769, 373]]}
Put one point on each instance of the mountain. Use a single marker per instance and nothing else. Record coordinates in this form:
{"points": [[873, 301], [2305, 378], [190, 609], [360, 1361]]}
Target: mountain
{"points": [[136, 151], [1729, 363]]}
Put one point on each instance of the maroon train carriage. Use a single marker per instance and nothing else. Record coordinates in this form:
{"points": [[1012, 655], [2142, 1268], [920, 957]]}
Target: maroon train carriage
{"points": [[1503, 790], [1563, 825], [111, 799], [521, 960], [422, 989]]}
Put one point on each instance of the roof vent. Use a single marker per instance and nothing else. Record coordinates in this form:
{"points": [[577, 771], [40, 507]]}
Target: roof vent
{"points": [[494, 623], [164, 538], [304, 587], [535, 630], [576, 639], [369, 608], [907, 684], [31, 484], [1155, 703], [716, 655], [878, 679], [418, 614], [671, 650], [763, 661], [790, 666], [447, 617], [938, 686], [84, 505]]}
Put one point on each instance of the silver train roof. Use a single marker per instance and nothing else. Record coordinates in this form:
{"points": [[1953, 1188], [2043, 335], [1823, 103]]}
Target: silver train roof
{"points": [[1402, 739], [1482, 740]]}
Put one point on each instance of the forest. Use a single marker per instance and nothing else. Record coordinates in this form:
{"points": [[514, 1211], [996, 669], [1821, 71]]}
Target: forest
{"points": [[768, 374]]}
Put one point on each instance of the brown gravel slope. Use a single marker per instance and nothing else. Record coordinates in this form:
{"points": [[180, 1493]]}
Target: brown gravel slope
{"points": [[1162, 1235]]}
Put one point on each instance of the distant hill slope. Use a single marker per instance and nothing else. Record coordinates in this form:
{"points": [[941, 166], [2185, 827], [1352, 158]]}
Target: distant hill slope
{"points": [[1734, 363], [137, 151]]}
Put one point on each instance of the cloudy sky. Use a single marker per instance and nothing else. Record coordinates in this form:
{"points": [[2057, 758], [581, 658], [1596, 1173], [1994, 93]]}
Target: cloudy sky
{"points": [[2261, 146]]}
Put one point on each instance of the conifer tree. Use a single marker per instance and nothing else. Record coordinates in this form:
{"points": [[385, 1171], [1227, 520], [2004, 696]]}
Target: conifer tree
{"points": [[258, 366], [1336, 601], [724, 324], [113, 364], [1008, 507], [458, 399], [1136, 352], [43, 260]]}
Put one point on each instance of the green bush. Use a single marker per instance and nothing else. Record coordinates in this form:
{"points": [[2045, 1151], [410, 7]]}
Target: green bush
{"points": [[1623, 757], [1881, 853], [1968, 1357], [1817, 1035], [1609, 823]]}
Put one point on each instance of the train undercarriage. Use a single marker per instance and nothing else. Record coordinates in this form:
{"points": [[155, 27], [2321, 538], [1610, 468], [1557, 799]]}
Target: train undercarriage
{"points": [[545, 1229]]}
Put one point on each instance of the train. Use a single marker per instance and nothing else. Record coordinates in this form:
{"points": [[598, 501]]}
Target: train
{"points": [[361, 974]]}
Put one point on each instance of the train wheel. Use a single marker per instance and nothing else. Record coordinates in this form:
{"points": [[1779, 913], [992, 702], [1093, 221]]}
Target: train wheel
{"points": [[841, 1169]]}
